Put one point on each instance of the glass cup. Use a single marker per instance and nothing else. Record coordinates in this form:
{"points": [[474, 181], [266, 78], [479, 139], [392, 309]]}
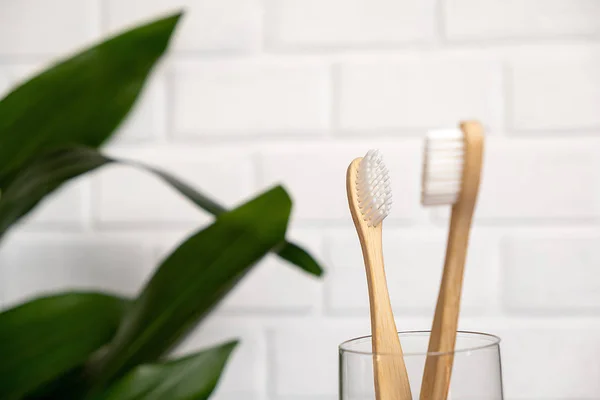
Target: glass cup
{"points": [[476, 371]]}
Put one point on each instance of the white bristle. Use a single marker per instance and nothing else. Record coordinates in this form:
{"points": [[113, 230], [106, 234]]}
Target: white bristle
{"points": [[373, 188], [443, 167]]}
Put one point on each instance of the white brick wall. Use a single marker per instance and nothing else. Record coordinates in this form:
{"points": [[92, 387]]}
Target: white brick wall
{"points": [[332, 23], [148, 122], [428, 92], [36, 266], [209, 25], [264, 91], [557, 93], [34, 27], [534, 266], [520, 19], [553, 179], [413, 257], [115, 189], [240, 98]]}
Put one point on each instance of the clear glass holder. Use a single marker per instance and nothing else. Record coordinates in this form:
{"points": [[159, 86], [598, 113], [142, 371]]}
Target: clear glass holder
{"points": [[476, 371]]}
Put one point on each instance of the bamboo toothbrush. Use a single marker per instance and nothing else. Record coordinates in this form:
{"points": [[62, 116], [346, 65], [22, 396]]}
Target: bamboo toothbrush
{"points": [[452, 167], [370, 200]]}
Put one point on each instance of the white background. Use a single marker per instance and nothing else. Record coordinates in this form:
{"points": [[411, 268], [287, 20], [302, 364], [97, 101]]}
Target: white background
{"points": [[262, 91]]}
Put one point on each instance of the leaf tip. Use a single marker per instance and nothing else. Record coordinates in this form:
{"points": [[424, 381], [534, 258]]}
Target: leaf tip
{"points": [[280, 190], [318, 271], [176, 16], [231, 345], [172, 20], [228, 347]]}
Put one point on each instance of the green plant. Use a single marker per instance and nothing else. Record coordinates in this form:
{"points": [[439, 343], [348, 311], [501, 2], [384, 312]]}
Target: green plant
{"points": [[99, 346]]}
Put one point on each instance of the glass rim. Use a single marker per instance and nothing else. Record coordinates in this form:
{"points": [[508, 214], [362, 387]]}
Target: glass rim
{"points": [[495, 341]]}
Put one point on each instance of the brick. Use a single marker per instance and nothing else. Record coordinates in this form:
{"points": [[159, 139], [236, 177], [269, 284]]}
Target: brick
{"points": [[21, 72], [316, 178], [65, 207], [35, 267], [553, 273], [276, 285], [208, 25], [305, 360], [527, 180], [551, 359], [488, 19], [553, 93], [240, 98], [245, 374], [349, 23], [414, 262], [123, 195], [33, 27], [235, 396], [312, 350], [148, 119], [419, 94], [326, 397], [273, 285]]}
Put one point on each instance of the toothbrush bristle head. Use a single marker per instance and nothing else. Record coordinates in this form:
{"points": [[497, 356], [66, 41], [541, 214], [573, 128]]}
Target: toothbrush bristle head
{"points": [[442, 167], [373, 188]]}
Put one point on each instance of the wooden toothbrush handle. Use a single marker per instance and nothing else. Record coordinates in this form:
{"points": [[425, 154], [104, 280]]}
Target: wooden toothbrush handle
{"points": [[438, 368], [391, 378]]}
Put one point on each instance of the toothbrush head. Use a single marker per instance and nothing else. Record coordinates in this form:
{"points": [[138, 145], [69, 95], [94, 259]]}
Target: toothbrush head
{"points": [[444, 158], [373, 188]]}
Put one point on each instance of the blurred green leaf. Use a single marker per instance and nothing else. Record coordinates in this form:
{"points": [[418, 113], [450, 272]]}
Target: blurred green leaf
{"points": [[191, 281], [49, 129], [45, 174], [300, 257], [193, 377], [41, 177], [47, 337], [81, 100]]}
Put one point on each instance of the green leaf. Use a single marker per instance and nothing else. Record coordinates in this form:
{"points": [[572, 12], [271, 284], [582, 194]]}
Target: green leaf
{"points": [[288, 251], [47, 337], [300, 257], [192, 280], [42, 176], [193, 377], [207, 204], [81, 100]]}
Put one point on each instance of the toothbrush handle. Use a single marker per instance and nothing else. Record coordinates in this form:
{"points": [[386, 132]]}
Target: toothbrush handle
{"points": [[436, 377], [391, 378]]}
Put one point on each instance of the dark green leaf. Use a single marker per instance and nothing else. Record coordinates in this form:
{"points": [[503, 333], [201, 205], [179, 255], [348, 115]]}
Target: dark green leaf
{"points": [[201, 200], [47, 337], [81, 100], [288, 251], [193, 377], [192, 280], [42, 176], [300, 257]]}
